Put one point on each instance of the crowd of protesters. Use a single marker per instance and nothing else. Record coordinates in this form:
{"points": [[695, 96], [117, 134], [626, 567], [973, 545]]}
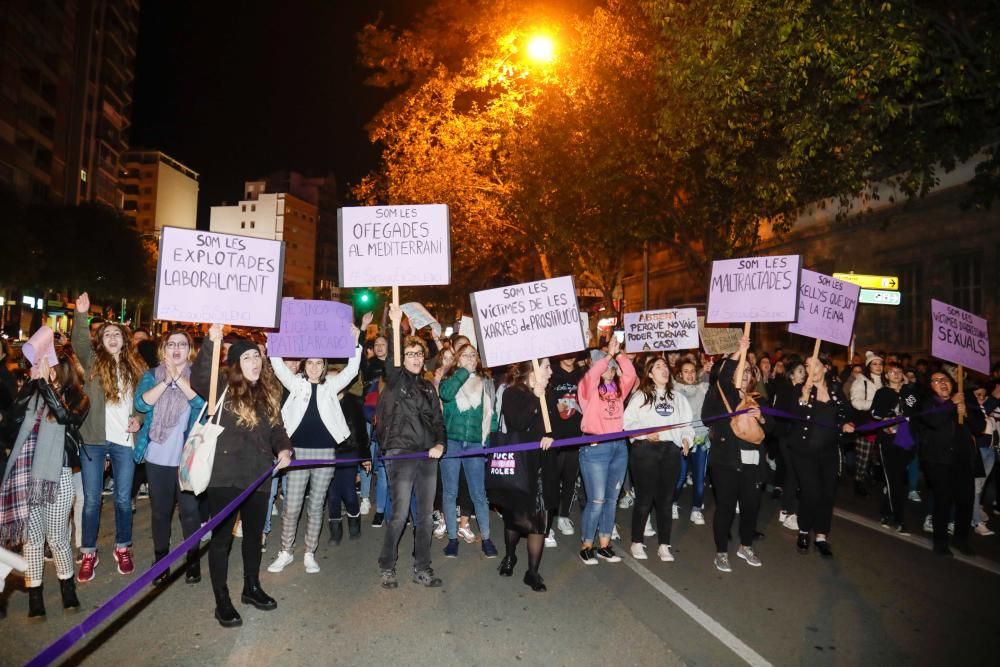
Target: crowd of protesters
{"points": [[110, 401]]}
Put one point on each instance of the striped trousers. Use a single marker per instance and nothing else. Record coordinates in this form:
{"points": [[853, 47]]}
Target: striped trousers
{"points": [[49, 522], [298, 479]]}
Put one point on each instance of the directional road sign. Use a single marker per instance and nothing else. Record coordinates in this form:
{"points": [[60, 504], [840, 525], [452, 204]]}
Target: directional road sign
{"points": [[869, 282], [879, 296]]}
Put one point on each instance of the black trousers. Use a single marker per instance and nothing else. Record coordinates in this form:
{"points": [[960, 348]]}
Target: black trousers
{"points": [[895, 461], [251, 513], [164, 493], [732, 485], [655, 468], [954, 488], [568, 467], [342, 491], [817, 473], [410, 477], [789, 480]]}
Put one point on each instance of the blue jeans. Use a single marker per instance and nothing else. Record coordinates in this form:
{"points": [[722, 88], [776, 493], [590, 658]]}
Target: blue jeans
{"points": [[475, 477], [92, 469], [366, 477], [697, 459], [603, 468], [274, 494]]}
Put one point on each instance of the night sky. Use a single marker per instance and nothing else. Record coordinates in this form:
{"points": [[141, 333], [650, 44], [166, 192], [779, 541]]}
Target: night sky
{"points": [[238, 89]]}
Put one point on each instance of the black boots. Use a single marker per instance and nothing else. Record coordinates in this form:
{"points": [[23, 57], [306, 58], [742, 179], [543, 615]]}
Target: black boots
{"points": [[68, 589], [225, 613], [506, 568], [193, 573], [255, 595], [533, 579], [336, 530], [353, 527], [164, 577], [36, 603]]}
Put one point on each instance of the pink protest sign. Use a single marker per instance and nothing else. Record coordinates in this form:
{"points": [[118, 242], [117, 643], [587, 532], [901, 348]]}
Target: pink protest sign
{"points": [[827, 307], [313, 329], [960, 337], [754, 289]]}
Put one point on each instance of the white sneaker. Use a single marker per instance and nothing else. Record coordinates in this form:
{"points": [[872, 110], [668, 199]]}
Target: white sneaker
{"points": [[982, 529], [782, 515], [638, 550], [281, 562], [951, 527], [649, 531], [615, 535], [238, 530], [929, 524], [737, 507], [440, 528], [309, 560], [550, 539], [697, 517], [664, 553], [914, 496], [206, 537], [274, 510], [675, 512], [791, 522], [366, 506], [627, 501], [564, 525], [466, 534]]}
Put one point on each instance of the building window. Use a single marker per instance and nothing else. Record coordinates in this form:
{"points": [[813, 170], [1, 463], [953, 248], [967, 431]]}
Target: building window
{"points": [[147, 207], [912, 323], [147, 190], [243, 225], [253, 208], [967, 282], [252, 223], [243, 208]]}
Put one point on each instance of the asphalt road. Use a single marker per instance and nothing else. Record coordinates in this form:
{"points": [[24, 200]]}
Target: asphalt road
{"points": [[881, 601]]}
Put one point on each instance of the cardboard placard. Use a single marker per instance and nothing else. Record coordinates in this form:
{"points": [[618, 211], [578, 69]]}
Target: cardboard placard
{"points": [[419, 318], [467, 328], [218, 278], [960, 337], [661, 330], [718, 340], [754, 289], [527, 321], [827, 307], [313, 329], [382, 246]]}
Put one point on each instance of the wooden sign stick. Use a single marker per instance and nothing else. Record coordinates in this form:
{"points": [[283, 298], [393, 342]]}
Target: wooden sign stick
{"points": [[397, 355], [743, 359], [850, 351], [816, 349], [213, 386], [960, 376], [545, 406]]}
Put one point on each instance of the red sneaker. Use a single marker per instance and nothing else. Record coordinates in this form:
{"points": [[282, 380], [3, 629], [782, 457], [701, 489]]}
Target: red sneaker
{"points": [[123, 556], [87, 566]]}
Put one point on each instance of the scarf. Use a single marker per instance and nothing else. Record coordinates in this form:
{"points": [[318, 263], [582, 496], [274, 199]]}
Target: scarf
{"points": [[170, 407], [470, 397], [20, 490]]}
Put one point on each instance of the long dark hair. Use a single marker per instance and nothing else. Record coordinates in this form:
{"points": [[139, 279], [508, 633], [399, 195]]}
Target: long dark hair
{"points": [[647, 387], [69, 376], [248, 400]]}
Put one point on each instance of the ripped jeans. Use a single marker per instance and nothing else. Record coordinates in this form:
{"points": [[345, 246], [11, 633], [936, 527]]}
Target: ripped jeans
{"points": [[602, 467]]}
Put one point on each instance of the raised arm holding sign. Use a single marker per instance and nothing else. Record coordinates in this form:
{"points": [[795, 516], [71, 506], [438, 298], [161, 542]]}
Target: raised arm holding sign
{"points": [[962, 338]]}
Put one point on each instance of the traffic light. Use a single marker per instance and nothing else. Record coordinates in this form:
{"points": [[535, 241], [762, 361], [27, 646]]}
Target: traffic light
{"points": [[363, 298]]}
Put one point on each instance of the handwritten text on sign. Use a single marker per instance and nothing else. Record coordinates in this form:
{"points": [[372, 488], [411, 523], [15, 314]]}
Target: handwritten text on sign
{"points": [[960, 337], [826, 308], [527, 321], [313, 330], [719, 340], [661, 330], [212, 277], [754, 289], [382, 246]]}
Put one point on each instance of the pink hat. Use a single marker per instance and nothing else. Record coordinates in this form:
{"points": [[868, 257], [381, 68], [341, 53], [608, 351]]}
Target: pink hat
{"points": [[41, 344]]}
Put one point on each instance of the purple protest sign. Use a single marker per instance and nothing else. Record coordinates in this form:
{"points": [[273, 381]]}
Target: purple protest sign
{"points": [[754, 289], [827, 307], [960, 337], [313, 329]]}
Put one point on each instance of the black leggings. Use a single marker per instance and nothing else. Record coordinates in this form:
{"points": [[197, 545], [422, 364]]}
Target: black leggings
{"points": [[251, 513], [732, 485], [953, 487], [342, 491], [164, 493], [895, 461], [515, 525], [568, 468], [817, 472], [655, 468]]}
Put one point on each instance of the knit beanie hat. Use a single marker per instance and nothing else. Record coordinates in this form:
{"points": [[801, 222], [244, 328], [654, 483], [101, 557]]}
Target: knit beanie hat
{"points": [[237, 349], [870, 357]]}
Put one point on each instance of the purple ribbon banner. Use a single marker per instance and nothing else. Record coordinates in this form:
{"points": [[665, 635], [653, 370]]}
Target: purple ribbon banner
{"points": [[57, 648]]}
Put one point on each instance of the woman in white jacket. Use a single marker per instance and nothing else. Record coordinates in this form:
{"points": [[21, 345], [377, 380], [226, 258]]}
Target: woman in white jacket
{"points": [[655, 459], [315, 423], [862, 392]]}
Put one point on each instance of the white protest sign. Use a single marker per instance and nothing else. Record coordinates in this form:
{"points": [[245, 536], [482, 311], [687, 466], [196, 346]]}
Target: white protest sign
{"points": [[385, 246], [467, 328], [420, 318], [212, 277], [826, 308], [527, 321], [661, 330], [754, 289]]}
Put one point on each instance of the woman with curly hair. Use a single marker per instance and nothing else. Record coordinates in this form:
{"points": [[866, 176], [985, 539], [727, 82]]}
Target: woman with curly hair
{"points": [[254, 435], [112, 371]]}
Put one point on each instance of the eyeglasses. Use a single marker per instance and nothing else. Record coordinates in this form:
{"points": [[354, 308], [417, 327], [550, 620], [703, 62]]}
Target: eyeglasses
{"points": [[940, 381], [414, 355]]}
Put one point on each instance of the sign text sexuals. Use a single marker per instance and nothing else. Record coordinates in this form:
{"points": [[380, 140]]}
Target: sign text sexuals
{"points": [[960, 337]]}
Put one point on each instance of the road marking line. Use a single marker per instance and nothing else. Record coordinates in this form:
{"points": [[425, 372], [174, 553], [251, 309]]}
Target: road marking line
{"points": [[981, 563], [731, 641]]}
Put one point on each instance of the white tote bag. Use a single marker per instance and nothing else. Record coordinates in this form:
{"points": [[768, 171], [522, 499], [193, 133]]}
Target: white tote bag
{"points": [[198, 455]]}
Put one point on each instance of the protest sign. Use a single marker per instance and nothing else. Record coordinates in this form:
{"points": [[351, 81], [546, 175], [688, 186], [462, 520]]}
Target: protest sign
{"points": [[661, 330], [420, 318], [224, 278], [718, 340], [384, 246], [960, 337], [313, 329], [467, 328], [827, 307], [527, 321], [754, 289]]}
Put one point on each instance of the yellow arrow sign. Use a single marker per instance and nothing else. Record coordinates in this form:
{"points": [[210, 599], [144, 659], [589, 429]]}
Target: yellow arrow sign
{"points": [[869, 282]]}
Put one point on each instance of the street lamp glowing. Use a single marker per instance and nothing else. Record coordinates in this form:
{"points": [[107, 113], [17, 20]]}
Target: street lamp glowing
{"points": [[541, 49]]}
